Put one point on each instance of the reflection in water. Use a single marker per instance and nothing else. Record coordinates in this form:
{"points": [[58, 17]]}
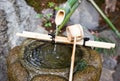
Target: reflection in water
{"points": [[49, 55]]}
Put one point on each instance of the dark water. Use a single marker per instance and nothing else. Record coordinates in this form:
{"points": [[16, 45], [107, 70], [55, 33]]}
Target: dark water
{"points": [[45, 55]]}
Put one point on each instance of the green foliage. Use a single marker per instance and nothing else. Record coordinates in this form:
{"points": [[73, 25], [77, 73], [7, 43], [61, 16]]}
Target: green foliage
{"points": [[46, 19], [105, 51], [48, 16], [48, 24], [57, 8], [51, 4]]}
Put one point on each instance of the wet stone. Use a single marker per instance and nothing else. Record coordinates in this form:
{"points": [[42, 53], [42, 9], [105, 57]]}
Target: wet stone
{"points": [[48, 78], [17, 73], [37, 61]]}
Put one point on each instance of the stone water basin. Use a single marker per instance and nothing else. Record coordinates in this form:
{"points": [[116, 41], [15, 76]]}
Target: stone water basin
{"points": [[43, 61]]}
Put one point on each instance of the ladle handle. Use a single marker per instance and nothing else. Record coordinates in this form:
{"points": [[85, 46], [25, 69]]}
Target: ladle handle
{"points": [[72, 61]]}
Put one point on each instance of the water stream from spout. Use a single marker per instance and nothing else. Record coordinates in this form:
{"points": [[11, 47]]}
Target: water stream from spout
{"points": [[56, 32], [58, 20]]}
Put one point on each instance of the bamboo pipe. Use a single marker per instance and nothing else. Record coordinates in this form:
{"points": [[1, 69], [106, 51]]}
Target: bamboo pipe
{"points": [[59, 17], [65, 40], [69, 12]]}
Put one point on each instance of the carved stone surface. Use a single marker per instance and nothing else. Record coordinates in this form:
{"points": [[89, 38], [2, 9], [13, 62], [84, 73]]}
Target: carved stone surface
{"points": [[21, 68]]}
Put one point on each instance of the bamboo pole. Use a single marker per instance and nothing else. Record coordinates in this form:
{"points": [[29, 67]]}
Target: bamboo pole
{"points": [[72, 61], [72, 2], [105, 18], [65, 40]]}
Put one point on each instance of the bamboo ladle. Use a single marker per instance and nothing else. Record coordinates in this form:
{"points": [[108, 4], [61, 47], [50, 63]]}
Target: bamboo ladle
{"points": [[74, 33]]}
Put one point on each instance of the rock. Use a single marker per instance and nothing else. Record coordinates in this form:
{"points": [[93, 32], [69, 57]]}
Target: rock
{"points": [[19, 17], [109, 63], [107, 75], [86, 15], [111, 36], [48, 78], [3, 68], [3, 34], [90, 76], [110, 6], [13, 56], [3, 46], [16, 72], [116, 74]]}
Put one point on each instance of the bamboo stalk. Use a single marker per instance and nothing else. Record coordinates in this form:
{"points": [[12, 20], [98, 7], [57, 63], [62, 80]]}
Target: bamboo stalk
{"points": [[72, 2], [69, 12], [65, 40], [105, 18]]}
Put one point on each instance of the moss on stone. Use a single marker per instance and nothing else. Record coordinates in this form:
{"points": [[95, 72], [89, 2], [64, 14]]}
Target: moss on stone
{"points": [[19, 70], [39, 5]]}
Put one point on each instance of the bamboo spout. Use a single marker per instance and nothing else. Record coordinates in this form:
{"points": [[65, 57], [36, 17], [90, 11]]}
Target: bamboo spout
{"points": [[59, 17]]}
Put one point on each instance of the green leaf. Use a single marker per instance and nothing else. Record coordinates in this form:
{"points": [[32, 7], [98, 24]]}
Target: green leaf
{"points": [[56, 8], [81, 65], [48, 16], [48, 24], [51, 4]]}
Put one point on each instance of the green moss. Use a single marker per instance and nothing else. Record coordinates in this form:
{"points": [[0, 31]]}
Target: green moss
{"points": [[81, 65], [34, 4], [42, 4]]}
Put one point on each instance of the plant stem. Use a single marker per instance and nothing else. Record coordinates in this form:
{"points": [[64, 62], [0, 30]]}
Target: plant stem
{"points": [[105, 18]]}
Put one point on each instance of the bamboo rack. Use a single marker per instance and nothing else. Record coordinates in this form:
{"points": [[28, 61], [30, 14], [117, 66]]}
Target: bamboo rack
{"points": [[65, 40]]}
